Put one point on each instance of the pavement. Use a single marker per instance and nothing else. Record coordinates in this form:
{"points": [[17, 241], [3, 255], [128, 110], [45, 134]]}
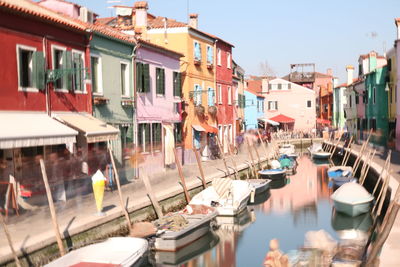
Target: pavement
{"points": [[33, 230]]}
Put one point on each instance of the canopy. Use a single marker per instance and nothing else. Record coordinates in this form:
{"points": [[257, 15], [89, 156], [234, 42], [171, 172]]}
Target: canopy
{"points": [[21, 129], [273, 123], [204, 127], [323, 121], [282, 119], [93, 129]]}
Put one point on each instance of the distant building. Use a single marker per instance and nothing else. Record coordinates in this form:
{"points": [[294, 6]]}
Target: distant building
{"points": [[291, 105], [254, 104], [238, 97], [396, 83]]}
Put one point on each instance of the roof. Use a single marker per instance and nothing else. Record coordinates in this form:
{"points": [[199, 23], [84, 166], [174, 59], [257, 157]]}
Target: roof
{"points": [[254, 87], [105, 20], [322, 75], [282, 119], [364, 56], [111, 32], [157, 47], [219, 39], [158, 22], [33, 9]]}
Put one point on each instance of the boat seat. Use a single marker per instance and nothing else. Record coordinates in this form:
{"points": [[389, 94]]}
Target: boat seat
{"points": [[222, 186]]}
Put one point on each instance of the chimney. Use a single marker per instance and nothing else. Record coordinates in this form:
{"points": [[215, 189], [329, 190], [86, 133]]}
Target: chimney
{"points": [[264, 86], [372, 59], [141, 14], [193, 21], [350, 70], [397, 22], [329, 72]]}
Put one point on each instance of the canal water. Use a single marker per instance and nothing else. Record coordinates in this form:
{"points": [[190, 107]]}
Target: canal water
{"points": [[286, 213]]}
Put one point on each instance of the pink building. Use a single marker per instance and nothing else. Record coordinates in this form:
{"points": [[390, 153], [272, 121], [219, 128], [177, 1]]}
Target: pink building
{"points": [[294, 103]]}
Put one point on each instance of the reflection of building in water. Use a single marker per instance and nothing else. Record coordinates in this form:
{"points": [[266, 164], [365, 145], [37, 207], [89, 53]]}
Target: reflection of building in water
{"points": [[300, 192], [323, 181]]}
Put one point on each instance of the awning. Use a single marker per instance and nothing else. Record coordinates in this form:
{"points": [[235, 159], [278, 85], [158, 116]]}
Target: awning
{"points": [[20, 129], [93, 129], [323, 121], [273, 123], [282, 119], [204, 127], [198, 128]]}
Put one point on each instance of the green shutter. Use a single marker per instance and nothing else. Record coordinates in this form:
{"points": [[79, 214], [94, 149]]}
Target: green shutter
{"points": [[158, 81], [139, 77], [163, 81], [78, 66], [67, 64], [146, 78], [38, 70], [179, 84]]}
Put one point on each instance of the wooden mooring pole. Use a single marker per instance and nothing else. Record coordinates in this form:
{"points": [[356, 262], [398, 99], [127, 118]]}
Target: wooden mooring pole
{"points": [[198, 159], [251, 158], [9, 240], [121, 201], [180, 171], [232, 159], [151, 194], [52, 209], [223, 156]]}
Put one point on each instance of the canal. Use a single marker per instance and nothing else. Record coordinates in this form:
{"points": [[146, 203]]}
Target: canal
{"points": [[286, 213]]}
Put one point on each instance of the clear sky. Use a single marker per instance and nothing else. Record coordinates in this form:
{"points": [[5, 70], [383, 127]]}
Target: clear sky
{"points": [[329, 33]]}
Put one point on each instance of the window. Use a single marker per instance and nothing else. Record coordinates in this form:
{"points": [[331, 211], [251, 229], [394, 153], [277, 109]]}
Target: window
{"points": [[309, 103], [197, 51], [177, 84], [142, 78], [229, 95], [269, 86], [197, 94], [124, 79], [219, 57], [228, 60], [236, 97], [156, 136], [389, 64], [357, 99], [210, 55], [358, 123], [289, 86], [219, 93], [372, 124], [325, 107], [374, 96], [31, 73], [279, 86], [78, 73], [96, 75], [364, 124], [160, 81], [61, 61], [350, 101], [272, 105], [144, 136], [178, 133], [211, 97]]}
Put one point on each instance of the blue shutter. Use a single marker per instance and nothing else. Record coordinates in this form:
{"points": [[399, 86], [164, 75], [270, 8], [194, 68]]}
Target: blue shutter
{"points": [[197, 51], [210, 97], [209, 55]]}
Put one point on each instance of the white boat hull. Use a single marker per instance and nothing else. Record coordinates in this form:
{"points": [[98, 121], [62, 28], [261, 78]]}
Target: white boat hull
{"points": [[321, 155]]}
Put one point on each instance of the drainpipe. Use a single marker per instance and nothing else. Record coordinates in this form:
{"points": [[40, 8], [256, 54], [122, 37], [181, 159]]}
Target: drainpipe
{"points": [[46, 86], [135, 125]]}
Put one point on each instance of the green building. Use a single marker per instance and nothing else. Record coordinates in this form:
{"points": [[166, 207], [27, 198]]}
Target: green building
{"points": [[339, 103], [112, 84]]}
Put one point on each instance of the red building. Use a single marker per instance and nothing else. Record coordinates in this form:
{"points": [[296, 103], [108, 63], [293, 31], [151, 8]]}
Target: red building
{"points": [[46, 102], [224, 92]]}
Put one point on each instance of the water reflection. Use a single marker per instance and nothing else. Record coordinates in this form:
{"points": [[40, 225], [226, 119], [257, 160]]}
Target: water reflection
{"points": [[286, 212]]}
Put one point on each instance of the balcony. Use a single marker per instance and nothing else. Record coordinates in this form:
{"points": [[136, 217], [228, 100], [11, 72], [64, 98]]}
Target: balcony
{"points": [[127, 102], [197, 61], [100, 100]]}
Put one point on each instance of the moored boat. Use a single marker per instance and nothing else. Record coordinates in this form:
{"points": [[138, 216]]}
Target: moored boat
{"points": [[180, 229], [115, 251], [259, 185], [341, 174], [287, 149], [273, 174], [352, 199], [320, 154], [228, 196]]}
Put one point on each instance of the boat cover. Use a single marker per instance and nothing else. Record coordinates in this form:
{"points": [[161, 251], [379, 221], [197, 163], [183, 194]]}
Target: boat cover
{"points": [[351, 193]]}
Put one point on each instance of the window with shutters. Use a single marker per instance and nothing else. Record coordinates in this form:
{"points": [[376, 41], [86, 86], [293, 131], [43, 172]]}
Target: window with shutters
{"points": [[156, 136], [144, 136], [219, 57], [236, 96], [272, 105], [124, 80], [229, 95], [309, 103], [177, 84], [197, 51], [142, 77], [374, 96], [289, 86], [160, 81], [210, 55], [78, 74], [178, 133], [279, 86], [30, 67], [61, 60], [197, 94], [96, 75], [211, 96], [228, 60]]}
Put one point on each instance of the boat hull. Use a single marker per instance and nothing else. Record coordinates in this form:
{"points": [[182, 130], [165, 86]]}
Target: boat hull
{"points": [[272, 175], [352, 209], [229, 210], [321, 155]]}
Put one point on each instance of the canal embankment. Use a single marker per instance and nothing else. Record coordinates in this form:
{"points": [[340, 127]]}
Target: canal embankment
{"points": [[34, 239]]}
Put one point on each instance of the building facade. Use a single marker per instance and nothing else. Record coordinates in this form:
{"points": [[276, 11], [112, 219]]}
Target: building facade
{"points": [[239, 98]]}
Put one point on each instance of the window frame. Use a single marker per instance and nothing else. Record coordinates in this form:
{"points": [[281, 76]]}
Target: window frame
{"points": [[32, 49], [229, 95], [275, 105], [84, 91], [228, 60], [197, 97], [374, 95], [100, 74], [177, 83], [53, 53], [309, 101], [142, 141], [194, 51], [126, 78], [210, 62], [219, 57], [220, 100]]}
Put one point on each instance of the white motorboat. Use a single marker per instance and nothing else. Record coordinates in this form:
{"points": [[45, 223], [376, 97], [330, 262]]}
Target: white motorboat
{"points": [[228, 196], [352, 199], [115, 251], [259, 186], [287, 149], [273, 174], [320, 154], [180, 229]]}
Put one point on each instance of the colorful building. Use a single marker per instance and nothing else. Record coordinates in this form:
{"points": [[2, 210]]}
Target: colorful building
{"points": [[339, 103], [291, 105], [254, 104], [350, 107], [396, 84], [239, 99], [158, 87], [392, 77]]}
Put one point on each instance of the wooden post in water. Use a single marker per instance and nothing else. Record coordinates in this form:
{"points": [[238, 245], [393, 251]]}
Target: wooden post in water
{"points": [[347, 151], [364, 171], [198, 159], [258, 157], [121, 201], [180, 171], [251, 157], [10, 244], [350, 147], [232, 159], [336, 144], [382, 171], [52, 209], [223, 156], [263, 146], [150, 193], [363, 147]]}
